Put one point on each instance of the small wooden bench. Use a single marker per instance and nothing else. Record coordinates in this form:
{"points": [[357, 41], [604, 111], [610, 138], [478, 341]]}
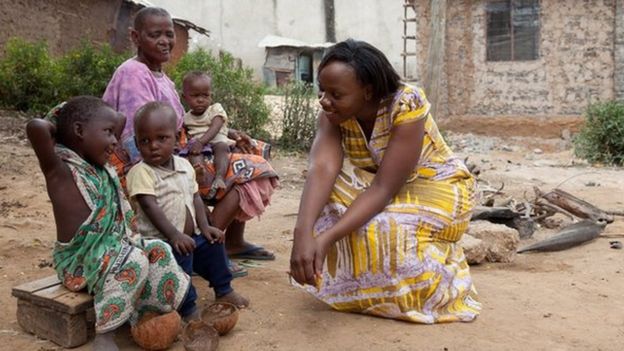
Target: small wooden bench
{"points": [[50, 311]]}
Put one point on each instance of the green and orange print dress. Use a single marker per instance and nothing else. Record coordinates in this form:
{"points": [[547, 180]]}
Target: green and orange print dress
{"points": [[405, 263], [127, 275]]}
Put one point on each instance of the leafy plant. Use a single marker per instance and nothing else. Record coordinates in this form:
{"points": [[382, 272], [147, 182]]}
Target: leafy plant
{"points": [[273, 90], [602, 137], [299, 119], [29, 78], [87, 69], [232, 86]]}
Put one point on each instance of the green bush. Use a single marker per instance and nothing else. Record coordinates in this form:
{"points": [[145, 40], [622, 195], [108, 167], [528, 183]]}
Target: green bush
{"points": [[602, 137], [87, 69], [299, 119], [29, 78], [273, 90], [233, 87]]}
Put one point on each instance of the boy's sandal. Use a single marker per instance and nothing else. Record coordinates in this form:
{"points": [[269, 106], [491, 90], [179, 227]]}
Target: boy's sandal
{"points": [[250, 264], [236, 270], [254, 252]]}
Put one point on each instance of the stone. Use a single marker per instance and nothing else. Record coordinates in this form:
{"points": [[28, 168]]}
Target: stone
{"points": [[501, 241], [525, 227], [566, 134], [474, 249]]}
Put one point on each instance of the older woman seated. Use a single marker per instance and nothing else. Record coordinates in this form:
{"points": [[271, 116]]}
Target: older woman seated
{"points": [[250, 178]]}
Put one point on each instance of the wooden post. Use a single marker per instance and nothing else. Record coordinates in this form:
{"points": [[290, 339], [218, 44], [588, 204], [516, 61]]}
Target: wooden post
{"points": [[330, 21], [435, 53]]}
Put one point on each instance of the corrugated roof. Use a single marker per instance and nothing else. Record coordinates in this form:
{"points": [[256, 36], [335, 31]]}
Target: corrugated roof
{"points": [[273, 41], [181, 21]]}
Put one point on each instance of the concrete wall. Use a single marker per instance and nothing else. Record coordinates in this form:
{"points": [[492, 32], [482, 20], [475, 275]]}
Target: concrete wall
{"points": [[61, 23], [238, 26], [377, 22], [575, 67], [576, 48]]}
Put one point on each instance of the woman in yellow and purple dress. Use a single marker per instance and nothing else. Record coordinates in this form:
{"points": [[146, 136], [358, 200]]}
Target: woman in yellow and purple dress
{"points": [[378, 232]]}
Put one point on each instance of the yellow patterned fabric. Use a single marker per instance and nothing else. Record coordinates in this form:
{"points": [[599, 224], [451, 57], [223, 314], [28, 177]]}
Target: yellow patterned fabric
{"points": [[405, 263]]}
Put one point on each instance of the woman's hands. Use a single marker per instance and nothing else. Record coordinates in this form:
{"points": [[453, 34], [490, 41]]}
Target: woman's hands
{"points": [[307, 257], [308, 252], [243, 141]]}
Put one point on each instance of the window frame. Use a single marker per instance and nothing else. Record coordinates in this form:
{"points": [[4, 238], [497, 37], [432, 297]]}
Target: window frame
{"points": [[512, 49]]}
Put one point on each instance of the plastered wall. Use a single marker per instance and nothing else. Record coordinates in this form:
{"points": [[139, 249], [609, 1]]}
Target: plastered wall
{"points": [[575, 65]]}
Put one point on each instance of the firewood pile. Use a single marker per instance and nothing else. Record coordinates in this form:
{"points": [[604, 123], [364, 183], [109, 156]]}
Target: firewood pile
{"points": [[526, 216]]}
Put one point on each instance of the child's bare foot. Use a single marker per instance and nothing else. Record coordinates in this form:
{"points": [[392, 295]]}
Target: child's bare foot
{"points": [[105, 342], [192, 316], [235, 299]]}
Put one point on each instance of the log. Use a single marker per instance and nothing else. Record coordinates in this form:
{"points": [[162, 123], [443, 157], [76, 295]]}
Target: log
{"points": [[616, 213], [487, 213], [570, 236], [544, 206], [525, 226], [507, 216], [576, 206]]}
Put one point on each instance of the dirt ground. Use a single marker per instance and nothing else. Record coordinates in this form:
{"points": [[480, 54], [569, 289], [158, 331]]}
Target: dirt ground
{"points": [[569, 300]]}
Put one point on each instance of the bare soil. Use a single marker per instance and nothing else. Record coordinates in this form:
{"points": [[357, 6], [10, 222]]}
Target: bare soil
{"points": [[568, 300], [505, 126]]}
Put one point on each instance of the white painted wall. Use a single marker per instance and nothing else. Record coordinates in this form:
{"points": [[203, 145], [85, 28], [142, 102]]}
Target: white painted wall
{"points": [[378, 22], [237, 26]]}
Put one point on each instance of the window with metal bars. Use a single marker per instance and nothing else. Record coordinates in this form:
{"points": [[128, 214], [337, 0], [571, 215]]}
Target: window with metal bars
{"points": [[513, 28]]}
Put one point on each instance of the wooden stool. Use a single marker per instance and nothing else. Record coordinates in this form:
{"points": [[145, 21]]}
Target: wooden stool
{"points": [[50, 311]]}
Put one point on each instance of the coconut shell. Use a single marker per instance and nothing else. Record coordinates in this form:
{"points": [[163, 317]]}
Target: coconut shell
{"points": [[157, 331], [198, 336], [220, 315]]}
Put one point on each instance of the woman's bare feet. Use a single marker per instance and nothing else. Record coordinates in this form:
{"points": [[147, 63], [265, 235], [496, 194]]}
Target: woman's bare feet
{"points": [[235, 299], [105, 342]]}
